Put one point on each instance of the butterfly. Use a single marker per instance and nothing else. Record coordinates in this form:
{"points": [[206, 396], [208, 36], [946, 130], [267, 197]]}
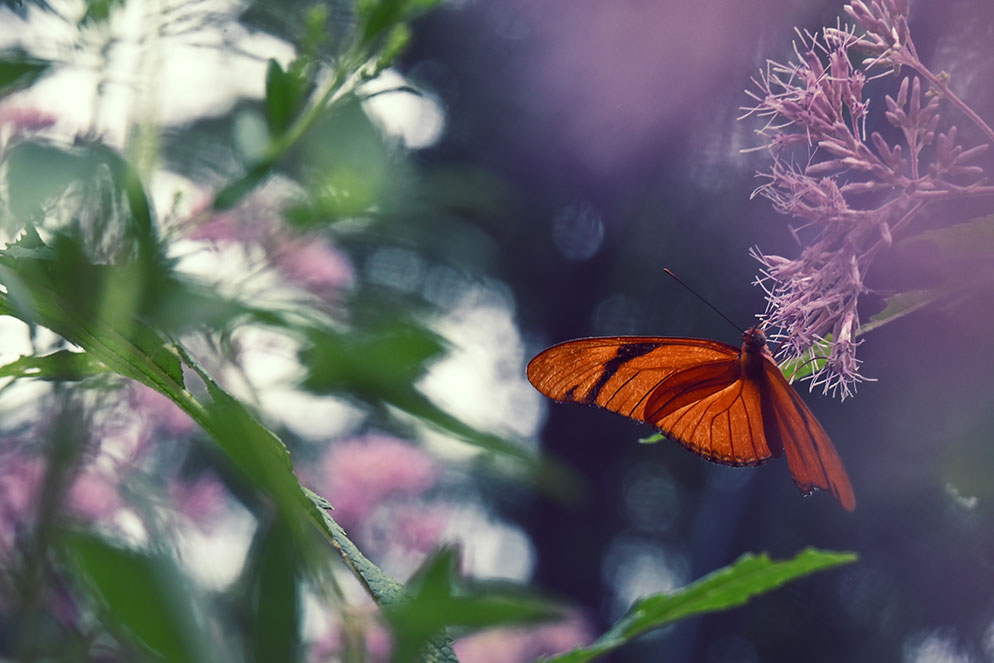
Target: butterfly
{"points": [[732, 406]]}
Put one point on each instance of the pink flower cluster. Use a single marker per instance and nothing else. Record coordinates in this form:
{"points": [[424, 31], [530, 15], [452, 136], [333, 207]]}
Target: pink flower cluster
{"points": [[315, 264], [379, 476], [310, 261], [850, 191], [524, 644], [96, 493]]}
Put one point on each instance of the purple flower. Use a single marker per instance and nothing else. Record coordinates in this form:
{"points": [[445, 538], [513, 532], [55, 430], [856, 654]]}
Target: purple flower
{"points": [[361, 635], [311, 262], [419, 528], [201, 500], [315, 264], [523, 644], [161, 413], [359, 475], [93, 496], [20, 481], [851, 192], [22, 119]]}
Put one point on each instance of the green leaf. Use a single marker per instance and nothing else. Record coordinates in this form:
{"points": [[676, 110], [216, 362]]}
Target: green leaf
{"points": [[896, 306], [18, 70], [142, 597], [386, 591], [37, 172], [98, 11], [264, 458], [379, 16], [814, 360], [374, 363], [381, 365], [128, 180], [725, 588], [439, 599], [232, 194], [60, 365], [279, 102], [273, 570], [350, 169], [286, 92], [900, 305], [972, 239], [394, 44], [87, 304]]}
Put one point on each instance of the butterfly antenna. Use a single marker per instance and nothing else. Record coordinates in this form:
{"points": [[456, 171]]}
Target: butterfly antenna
{"points": [[700, 297]]}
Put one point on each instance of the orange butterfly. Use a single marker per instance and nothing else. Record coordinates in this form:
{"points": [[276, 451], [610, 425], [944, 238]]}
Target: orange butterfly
{"points": [[731, 406]]}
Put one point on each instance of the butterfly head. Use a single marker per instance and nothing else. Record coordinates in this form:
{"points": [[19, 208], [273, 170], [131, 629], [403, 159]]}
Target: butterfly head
{"points": [[753, 341]]}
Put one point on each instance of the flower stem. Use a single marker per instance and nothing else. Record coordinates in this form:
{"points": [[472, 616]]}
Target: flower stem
{"points": [[943, 87]]}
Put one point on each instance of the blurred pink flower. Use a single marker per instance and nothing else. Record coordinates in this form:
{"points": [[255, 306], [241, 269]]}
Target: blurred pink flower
{"points": [[161, 412], [418, 528], [366, 631], [225, 227], [92, 496], [523, 645], [200, 500], [315, 264], [25, 119], [20, 478], [358, 475]]}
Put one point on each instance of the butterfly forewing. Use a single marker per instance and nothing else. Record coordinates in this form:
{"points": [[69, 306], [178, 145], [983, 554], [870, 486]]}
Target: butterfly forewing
{"points": [[706, 407], [618, 373]]}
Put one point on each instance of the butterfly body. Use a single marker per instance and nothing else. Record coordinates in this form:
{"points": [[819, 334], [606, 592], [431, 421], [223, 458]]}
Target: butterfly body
{"points": [[730, 405]]}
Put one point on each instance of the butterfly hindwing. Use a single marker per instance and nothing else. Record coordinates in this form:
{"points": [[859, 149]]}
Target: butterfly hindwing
{"points": [[811, 456], [725, 426]]}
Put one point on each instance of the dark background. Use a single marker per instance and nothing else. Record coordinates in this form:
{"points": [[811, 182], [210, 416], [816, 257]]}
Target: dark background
{"points": [[626, 112]]}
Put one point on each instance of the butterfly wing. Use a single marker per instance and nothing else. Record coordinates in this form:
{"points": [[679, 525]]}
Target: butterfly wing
{"points": [[813, 460], [691, 389], [714, 411]]}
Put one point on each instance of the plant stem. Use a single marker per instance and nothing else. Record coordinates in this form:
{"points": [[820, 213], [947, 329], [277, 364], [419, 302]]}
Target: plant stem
{"points": [[943, 87]]}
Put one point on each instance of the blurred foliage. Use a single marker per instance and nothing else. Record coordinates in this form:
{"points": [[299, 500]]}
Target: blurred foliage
{"points": [[961, 241], [142, 595], [62, 365], [437, 600], [18, 70]]}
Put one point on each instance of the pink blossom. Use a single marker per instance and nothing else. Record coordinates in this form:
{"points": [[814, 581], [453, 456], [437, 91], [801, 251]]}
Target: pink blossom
{"points": [[221, 227], [162, 412], [93, 496], [360, 474], [25, 119], [363, 631], [20, 480], [523, 644], [200, 500], [418, 528], [315, 264], [250, 222], [852, 192]]}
